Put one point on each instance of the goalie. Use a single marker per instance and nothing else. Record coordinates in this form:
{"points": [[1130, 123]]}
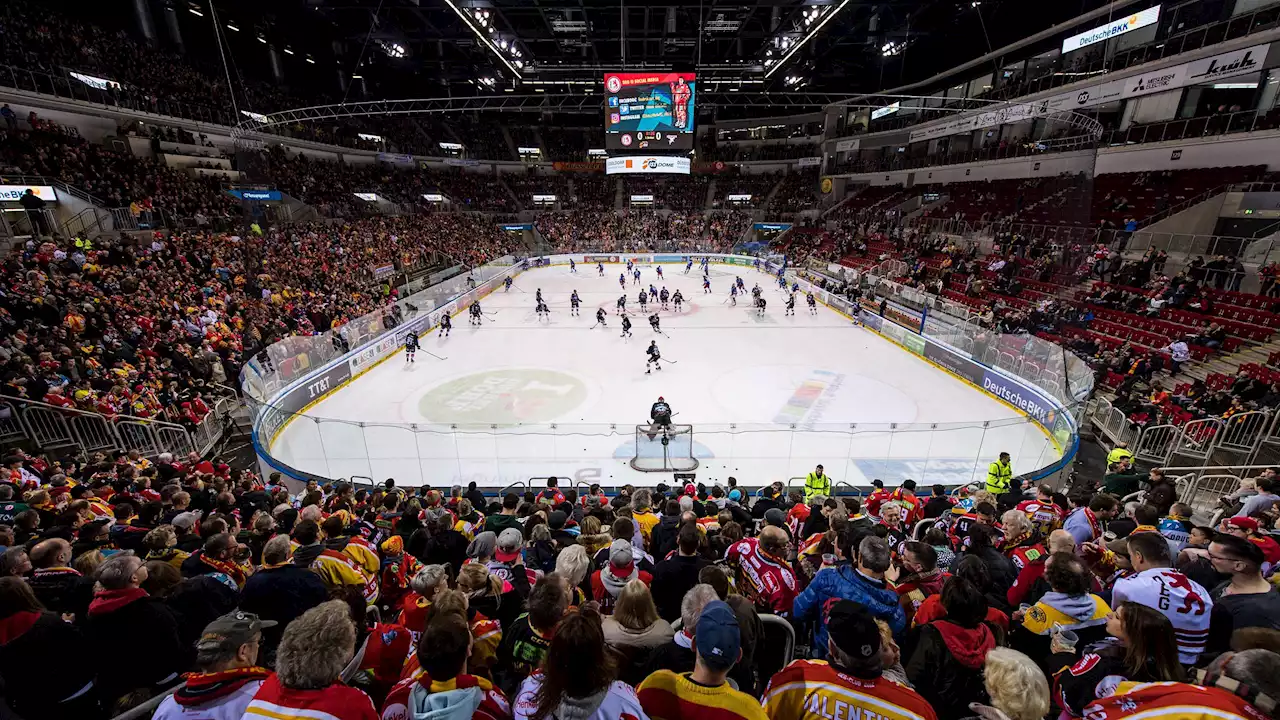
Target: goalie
{"points": [[659, 417]]}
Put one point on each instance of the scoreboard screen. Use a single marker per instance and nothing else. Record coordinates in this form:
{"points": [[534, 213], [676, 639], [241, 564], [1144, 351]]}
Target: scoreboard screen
{"points": [[649, 111]]}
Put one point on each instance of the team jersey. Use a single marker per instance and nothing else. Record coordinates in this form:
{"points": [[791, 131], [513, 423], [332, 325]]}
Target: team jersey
{"points": [[665, 695], [1045, 516], [765, 580], [1176, 532], [274, 701], [1181, 599], [815, 690], [912, 511], [875, 500], [1172, 701], [412, 693]]}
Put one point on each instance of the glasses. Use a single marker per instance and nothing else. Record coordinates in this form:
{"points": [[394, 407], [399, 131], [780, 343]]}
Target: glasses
{"points": [[1223, 558]]}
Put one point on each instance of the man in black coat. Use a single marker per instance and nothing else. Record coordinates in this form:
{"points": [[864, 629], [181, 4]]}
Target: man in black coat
{"points": [[673, 577], [57, 586], [662, 539], [123, 616], [280, 591]]}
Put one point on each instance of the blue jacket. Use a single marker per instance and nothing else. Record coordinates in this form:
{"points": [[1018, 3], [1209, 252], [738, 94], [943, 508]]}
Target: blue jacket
{"points": [[844, 582]]}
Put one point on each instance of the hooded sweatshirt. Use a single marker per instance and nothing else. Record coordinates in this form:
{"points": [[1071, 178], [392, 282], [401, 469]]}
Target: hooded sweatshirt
{"points": [[464, 697], [1067, 611], [969, 646], [617, 700]]}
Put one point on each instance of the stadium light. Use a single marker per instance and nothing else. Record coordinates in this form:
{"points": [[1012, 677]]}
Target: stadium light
{"points": [[232, 27], [288, 50], [480, 18], [794, 46], [262, 38], [311, 60]]}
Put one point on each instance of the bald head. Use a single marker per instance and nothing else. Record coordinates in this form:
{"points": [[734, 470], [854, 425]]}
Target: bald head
{"points": [[1061, 541], [54, 552], [773, 539]]}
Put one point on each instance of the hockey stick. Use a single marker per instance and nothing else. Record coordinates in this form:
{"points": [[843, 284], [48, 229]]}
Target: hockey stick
{"points": [[433, 355]]}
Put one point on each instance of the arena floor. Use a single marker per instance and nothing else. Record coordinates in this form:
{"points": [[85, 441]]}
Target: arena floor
{"points": [[566, 398]]}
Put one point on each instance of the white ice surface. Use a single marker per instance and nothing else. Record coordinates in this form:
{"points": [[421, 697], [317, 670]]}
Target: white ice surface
{"points": [[731, 377]]}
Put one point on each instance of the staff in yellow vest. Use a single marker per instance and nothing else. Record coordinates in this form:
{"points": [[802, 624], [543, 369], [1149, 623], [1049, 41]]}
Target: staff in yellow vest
{"points": [[1118, 453], [817, 483], [1000, 475]]}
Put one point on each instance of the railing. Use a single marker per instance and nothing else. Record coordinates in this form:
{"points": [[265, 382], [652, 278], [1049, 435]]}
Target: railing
{"points": [[1225, 124], [51, 427], [67, 88], [1244, 435]]}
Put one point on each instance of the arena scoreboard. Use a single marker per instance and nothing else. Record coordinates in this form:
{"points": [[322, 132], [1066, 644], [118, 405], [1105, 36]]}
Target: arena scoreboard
{"points": [[649, 111]]}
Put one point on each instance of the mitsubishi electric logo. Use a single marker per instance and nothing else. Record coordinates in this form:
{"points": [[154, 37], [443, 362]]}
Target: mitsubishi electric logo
{"points": [[1216, 69], [1151, 84]]}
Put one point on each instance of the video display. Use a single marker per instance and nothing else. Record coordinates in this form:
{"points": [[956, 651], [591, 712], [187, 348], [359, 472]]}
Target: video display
{"points": [[649, 111]]}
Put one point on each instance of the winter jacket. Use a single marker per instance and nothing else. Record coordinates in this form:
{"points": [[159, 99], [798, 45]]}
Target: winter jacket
{"points": [[147, 628], [946, 667], [999, 567], [1085, 615], [672, 578], [617, 700], [846, 582], [281, 594], [62, 590], [39, 680], [662, 539], [637, 641]]}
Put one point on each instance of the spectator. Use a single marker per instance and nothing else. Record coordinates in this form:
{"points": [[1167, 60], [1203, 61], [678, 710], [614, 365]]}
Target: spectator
{"points": [[642, 515], [59, 587], [938, 504], [1017, 688], [444, 688], [1085, 523], [1067, 606], [608, 581], [1264, 500], [673, 576], [1145, 651], [665, 695], [123, 615], [662, 539], [227, 675], [946, 666], [32, 642], [1030, 585], [634, 629], [1155, 583], [678, 654], [863, 583], [500, 521], [280, 592], [525, 642], [577, 678], [981, 544], [1233, 685], [921, 578], [1245, 599], [851, 683], [574, 565], [307, 681], [762, 572]]}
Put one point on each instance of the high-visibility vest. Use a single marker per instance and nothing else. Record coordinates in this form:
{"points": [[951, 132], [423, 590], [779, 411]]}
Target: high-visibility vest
{"points": [[1118, 454], [999, 477], [816, 484]]}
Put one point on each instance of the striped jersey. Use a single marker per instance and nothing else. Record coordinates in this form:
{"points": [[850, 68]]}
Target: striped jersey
{"points": [[1179, 598], [814, 690], [665, 695], [1171, 701], [336, 702]]}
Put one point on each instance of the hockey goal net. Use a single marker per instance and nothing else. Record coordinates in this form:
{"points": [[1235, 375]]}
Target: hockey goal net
{"points": [[664, 449]]}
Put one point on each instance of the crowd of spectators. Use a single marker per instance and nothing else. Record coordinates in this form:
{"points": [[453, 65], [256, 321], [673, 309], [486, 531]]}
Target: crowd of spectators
{"points": [[637, 230], [666, 603]]}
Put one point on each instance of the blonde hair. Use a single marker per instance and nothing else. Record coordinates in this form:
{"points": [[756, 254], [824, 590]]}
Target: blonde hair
{"points": [[316, 646], [1016, 684], [88, 562], [474, 579], [635, 609], [591, 525], [983, 496], [451, 601]]}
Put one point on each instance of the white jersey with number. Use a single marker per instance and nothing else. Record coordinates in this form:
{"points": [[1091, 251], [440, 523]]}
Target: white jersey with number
{"points": [[1179, 598]]}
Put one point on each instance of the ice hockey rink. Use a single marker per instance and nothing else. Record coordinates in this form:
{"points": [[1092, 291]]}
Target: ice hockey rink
{"points": [[768, 397]]}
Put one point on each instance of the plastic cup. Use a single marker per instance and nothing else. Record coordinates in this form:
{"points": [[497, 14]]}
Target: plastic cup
{"points": [[1067, 639], [828, 559]]}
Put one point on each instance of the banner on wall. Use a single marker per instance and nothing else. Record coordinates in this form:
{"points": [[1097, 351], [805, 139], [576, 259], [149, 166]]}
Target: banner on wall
{"points": [[848, 145], [809, 162]]}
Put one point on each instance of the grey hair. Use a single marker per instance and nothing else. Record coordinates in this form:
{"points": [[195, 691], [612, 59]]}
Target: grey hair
{"points": [[873, 554], [686, 503], [641, 499], [818, 500], [116, 571], [276, 550], [540, 532], [311, 512], [165, 457], [1015, 522], [428, 579], [1256, 668], [316, 647], [693, 603], [573, 563]]}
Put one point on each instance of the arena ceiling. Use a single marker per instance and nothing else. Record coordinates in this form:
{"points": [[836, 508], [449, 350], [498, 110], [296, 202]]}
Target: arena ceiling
{"points": [[430, 48]]}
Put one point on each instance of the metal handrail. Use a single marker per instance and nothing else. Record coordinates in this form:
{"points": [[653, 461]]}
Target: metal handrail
{"points": [[518, 483], [145, 709]]}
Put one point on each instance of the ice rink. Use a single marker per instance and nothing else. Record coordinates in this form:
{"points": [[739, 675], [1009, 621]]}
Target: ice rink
{"points": [[768, 397]]}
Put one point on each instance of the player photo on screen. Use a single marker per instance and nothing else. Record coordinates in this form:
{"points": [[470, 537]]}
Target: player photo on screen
{"points": [[649, 111]]}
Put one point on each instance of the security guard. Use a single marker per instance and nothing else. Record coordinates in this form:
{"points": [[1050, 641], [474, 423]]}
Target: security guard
{"points": [[1119, 453], [83, 244], [817, 483], [1000, 476]]}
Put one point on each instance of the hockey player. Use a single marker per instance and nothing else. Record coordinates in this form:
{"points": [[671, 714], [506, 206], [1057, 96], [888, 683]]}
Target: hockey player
{"points": [[742, 287], [706, 284], [654, 322], [782, 283], [622, 281], [755, 291], [654, 357], [663, 296], [446, 324], [475, 313], [636, 275], [813, 303], [573, 267], [795, 286], [600, 318], [733, 295], [574, 302], [410, 346], [600, 269], [538, 298], [542, 310], [659, 415], [678, 299], [653, 291], [506, 284], [760, 303], [629, 266], [626, 326], [756, 264], [688, 265], [791, 304], [644, 299], [659, 271], [622, 305]]}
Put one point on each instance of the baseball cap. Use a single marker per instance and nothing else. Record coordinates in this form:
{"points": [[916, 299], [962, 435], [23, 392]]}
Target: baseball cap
{"points": [[717, 637], [775, 517], [1243, 523], [621, 554], [556, 519], [509, 544], [184, 520], [232, 630], [853, 630]]}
